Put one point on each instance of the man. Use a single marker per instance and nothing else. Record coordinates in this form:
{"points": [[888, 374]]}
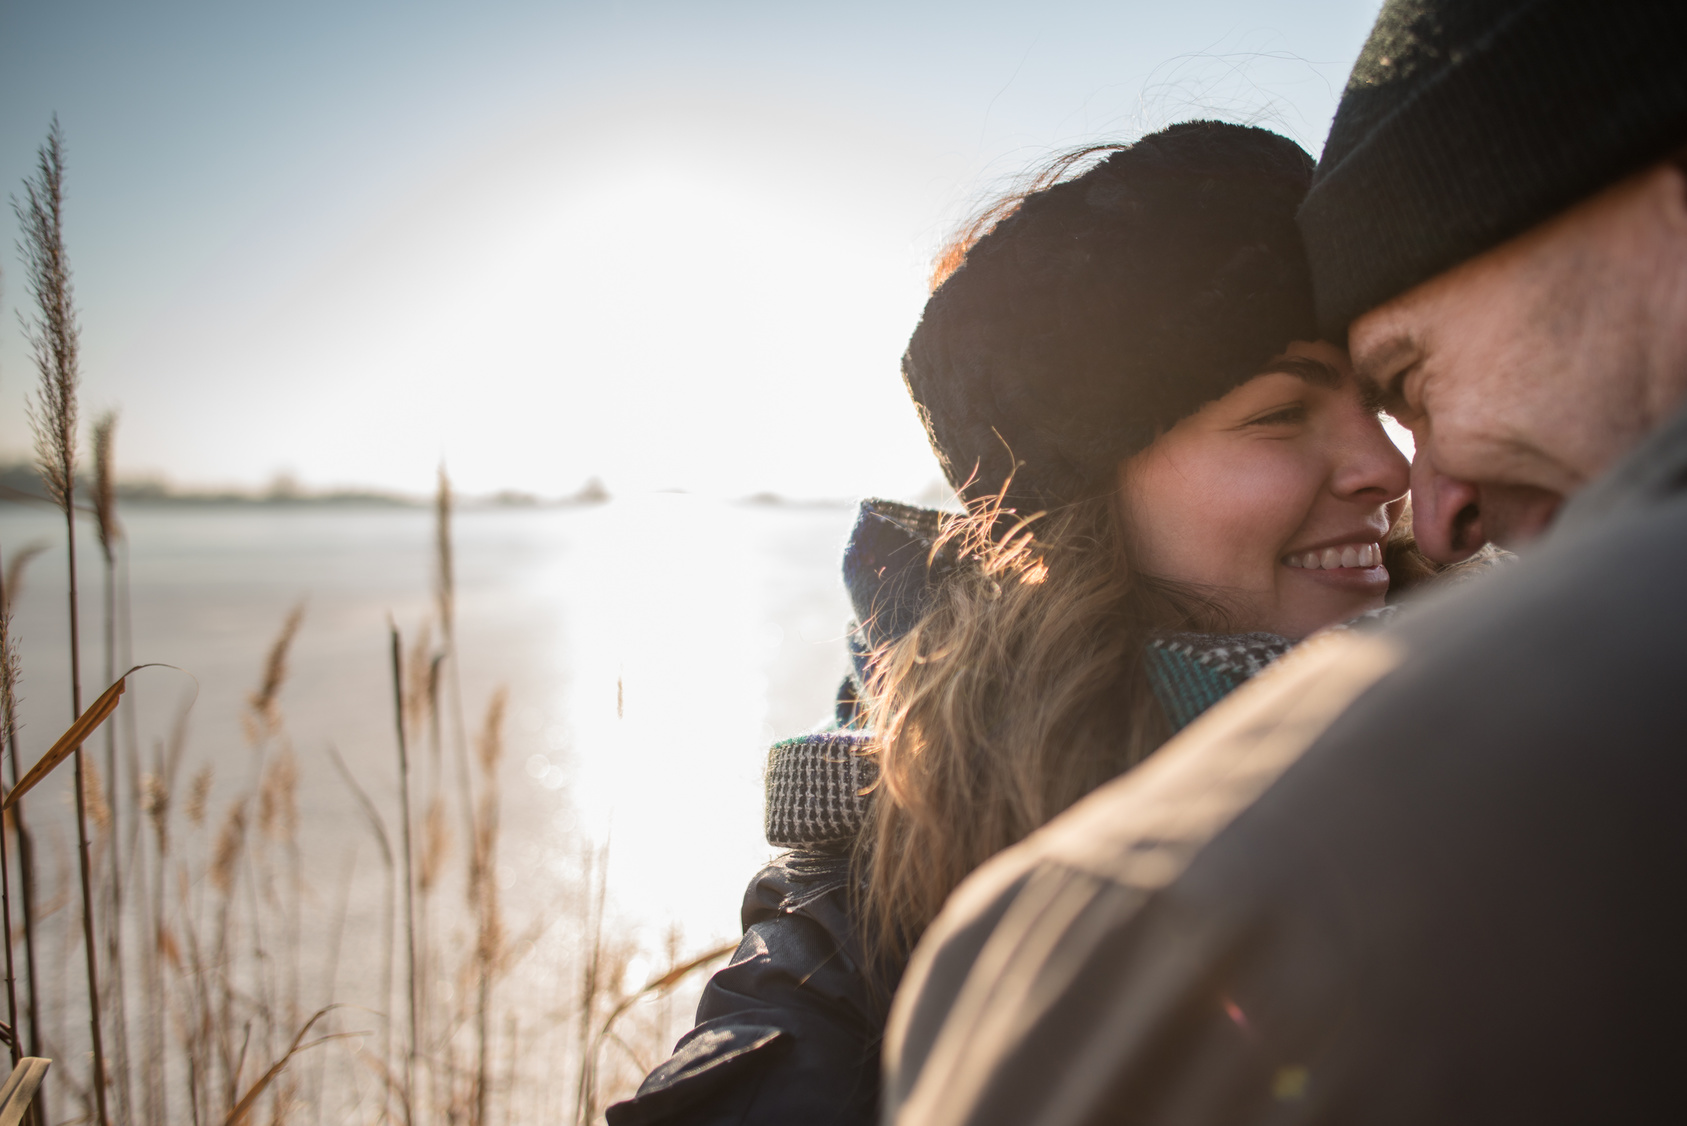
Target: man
{"points": [[1431, 875]]}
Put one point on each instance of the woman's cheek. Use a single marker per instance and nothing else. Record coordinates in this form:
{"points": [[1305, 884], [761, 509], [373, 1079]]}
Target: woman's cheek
{"points": [[1245, 511], [1270, 501]]}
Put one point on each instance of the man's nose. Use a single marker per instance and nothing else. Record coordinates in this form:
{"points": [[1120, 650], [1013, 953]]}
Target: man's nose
{"points": [[1446, 513]]}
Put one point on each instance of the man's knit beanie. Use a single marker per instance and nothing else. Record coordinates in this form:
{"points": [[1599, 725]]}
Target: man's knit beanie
{"points": [[1109, 306], [1466, 122]]}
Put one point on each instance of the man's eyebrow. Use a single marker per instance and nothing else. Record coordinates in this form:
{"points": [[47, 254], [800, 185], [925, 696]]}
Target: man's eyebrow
{"points": [[1390, 356], [1313, 371]]}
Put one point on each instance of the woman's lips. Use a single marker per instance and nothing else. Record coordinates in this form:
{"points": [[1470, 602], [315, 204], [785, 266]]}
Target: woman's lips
{"points": [[1347, 556], [1354, 567]]}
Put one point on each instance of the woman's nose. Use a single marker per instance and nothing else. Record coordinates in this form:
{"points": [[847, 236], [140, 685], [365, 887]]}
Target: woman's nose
{"points": [[1369, 465]]}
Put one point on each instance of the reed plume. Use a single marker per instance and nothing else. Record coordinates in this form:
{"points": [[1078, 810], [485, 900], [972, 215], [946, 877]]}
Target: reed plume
{"points": [[231, 842], [198, 791], [54, 340], [105, 496], [264, 717], [278, 804], [53, 334]]}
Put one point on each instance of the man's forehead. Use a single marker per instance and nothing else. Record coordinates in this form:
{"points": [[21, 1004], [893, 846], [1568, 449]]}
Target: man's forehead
{"points": [[1382, 341]]}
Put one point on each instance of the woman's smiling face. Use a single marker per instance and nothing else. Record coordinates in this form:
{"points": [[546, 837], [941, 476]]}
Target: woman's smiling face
{"points": [[1275, 499]]}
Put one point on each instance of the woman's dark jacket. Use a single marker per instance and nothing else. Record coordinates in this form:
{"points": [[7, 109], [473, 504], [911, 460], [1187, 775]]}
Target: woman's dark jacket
{"points": [[789, 1031]]}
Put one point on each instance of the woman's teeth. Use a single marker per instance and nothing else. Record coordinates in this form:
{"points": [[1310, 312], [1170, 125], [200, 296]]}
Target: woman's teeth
{"points": [[1347, 555]]}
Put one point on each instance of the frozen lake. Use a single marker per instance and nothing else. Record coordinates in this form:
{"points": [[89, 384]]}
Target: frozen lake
{"points": [[652, 647]]}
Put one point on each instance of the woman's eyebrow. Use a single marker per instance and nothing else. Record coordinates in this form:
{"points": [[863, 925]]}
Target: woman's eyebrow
{"points": [[1307, 368]]}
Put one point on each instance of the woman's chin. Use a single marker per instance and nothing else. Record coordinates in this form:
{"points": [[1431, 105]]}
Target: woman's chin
{"points": [[1309, 600]]}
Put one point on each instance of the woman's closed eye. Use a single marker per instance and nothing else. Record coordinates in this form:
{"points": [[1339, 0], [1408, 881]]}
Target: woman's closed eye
{"points": [[1285, 415]]}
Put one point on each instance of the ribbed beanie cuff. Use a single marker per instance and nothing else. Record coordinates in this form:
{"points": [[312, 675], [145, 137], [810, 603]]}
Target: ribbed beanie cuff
{"points": [[1551, 102]]}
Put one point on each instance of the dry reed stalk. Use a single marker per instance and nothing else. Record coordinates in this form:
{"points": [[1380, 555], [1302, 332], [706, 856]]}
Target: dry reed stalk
{"points": [[9, 672], [198, 791], [445, 597], [434, 845], [13, 579], [231, 842], [409, 868], [278, 818], [224, 873], [154, 806], [167, 764], [445, 577], [55, 340], [483, 894], [658, 986], [240, 1112], [337, 932], [110, 532], [378, 827], [198, 1021], [591, 985]]}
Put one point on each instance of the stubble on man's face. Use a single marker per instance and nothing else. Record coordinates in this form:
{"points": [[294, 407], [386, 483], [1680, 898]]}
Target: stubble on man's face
{"points": [[1527, 371]]}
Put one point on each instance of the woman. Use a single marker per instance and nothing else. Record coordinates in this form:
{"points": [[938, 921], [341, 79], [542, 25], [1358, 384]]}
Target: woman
{"points": [[1168, 481]]}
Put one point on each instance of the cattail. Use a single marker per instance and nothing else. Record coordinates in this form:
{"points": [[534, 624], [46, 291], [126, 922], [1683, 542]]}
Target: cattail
{"points": [[54, 340]]}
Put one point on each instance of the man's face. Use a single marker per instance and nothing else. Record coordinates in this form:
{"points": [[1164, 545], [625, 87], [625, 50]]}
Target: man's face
{"points": [[1526, 371]]}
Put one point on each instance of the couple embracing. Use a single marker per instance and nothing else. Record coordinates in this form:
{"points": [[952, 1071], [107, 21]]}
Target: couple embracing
{"points": [[1142, 801]]}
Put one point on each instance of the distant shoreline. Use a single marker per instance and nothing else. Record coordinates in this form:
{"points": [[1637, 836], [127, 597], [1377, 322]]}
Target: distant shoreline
{"points": [[21, 485]]}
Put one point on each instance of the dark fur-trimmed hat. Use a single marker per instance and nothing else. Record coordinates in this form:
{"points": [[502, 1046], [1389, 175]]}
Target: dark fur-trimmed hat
{"points": [[1109, 306], [1466, 122]]}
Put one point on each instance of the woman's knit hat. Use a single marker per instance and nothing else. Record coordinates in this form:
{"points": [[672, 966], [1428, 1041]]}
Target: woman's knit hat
{"points": [[1466, 122], [1105, 308]]}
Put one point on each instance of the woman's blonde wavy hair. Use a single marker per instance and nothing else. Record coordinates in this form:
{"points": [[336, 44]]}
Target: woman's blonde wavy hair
{"points": [[1020, 690]]}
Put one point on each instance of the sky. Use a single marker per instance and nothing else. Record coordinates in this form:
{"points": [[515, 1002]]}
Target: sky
{"points": [[669, 245]]}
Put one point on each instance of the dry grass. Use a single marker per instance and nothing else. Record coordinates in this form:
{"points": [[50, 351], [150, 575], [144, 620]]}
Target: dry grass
{"points": [[467, 1012]]}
